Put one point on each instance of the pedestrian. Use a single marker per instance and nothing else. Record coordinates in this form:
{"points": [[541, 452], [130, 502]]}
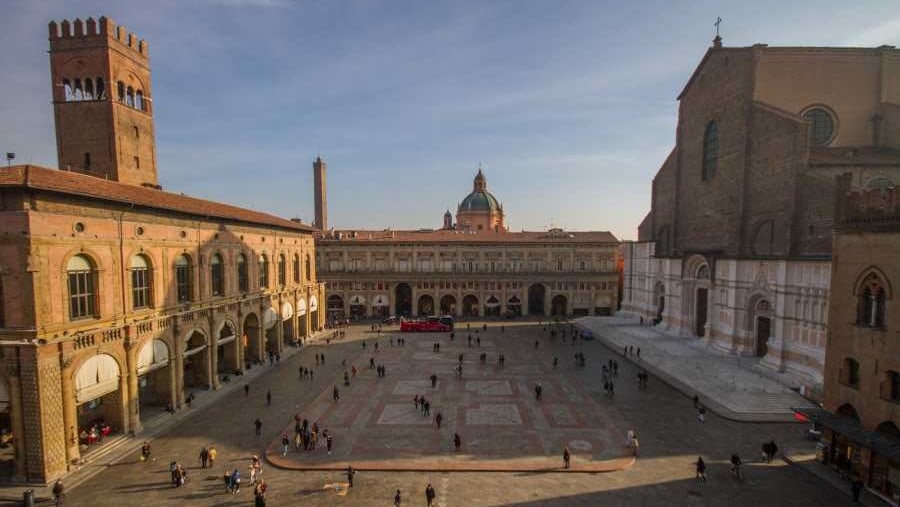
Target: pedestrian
{"points": [[855, 489], [145, 451], [204, 457], [397, 499], [555, 361], [538, 389], [246, 390], [537, 344], [433, 380], [173, 469], [416, 402], [457, 442], [328, 441], [335, 395], [566, 456], [438, 419], [59, 492], [639, 353], [429, 495], [635, 445], [227, 479], [213, 453], [350, 474], [258, 424], [235, 482], [696, 402], [701, 469], [701, 414], [285, 443], [427, 408], [612, 389]]}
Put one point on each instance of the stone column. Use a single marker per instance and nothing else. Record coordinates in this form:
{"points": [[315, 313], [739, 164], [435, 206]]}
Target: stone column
{"points": [[179, 367], [132, 394], [70, 418], [239, 338], [213, 362]]}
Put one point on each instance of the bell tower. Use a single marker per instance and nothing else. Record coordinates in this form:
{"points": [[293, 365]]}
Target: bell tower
{"points": [[102, 102]]}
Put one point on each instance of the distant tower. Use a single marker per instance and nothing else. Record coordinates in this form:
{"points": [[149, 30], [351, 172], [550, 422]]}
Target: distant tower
{"points": [[102, 101], [319, 170], [448, 220]]}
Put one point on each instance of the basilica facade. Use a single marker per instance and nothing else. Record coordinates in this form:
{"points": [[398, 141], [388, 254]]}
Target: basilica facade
{"points": [[471, 267], [737, 247], [118, 299]]}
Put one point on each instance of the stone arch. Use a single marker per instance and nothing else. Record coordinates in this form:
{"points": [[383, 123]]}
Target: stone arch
{"points": [[196, 346], [492, 306], [848, 410], [448, 304], [99, 398], [335, 307], [470, 305], [537, 294], [559, 306], [403, 299], [156, 375], [227, 347], [697, 285], [252, 337], [425, 305], [865, 273]]}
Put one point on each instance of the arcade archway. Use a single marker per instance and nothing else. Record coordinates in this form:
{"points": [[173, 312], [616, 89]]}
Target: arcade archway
{"points": [[426, 305], [536, 295], [253, 350], [448, 305], [403, 299], [196, 361], [470, 306], [559, 306]]}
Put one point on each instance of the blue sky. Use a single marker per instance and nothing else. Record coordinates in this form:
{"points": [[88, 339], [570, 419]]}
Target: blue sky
{"points": [[569, 106]]}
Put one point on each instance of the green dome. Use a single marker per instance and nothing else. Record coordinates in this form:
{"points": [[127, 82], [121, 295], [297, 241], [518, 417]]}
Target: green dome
{"points": [[479, 201]]}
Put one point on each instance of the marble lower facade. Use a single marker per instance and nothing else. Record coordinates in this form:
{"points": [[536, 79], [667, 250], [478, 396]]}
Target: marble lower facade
{"points": [[773, 309]]}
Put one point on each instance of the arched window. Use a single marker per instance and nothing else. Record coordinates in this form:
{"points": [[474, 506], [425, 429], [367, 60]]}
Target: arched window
{"points": [[870, 302], [120, 87], [79, 92], [82, 282], [139, 100], [129, 97], [217, 275], [710, 151], [101, 89], [67, 89], [890, 389], [88, 89], [243, 274], [880, 183], [296, 268], [183, 278], [850, 372], [822, 128], [306, 269], [263, 266], [141, 282], [282, 271]]}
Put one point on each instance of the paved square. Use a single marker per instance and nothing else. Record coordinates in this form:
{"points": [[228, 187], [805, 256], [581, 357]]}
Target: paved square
{"points": [[502, 425]]}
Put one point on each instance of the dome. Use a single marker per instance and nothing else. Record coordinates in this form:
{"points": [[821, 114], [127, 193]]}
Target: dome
{"points": [[479, 201]]}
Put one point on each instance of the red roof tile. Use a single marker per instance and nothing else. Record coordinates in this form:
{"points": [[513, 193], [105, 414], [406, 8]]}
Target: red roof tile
{"points": [[452, 236], [51, 180]]}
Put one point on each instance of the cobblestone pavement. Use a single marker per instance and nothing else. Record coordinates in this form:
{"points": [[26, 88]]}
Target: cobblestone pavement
{"points": [[670, 436]]}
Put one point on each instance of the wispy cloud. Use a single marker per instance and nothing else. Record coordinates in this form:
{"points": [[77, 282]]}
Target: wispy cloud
{"points": [[887, 32]]}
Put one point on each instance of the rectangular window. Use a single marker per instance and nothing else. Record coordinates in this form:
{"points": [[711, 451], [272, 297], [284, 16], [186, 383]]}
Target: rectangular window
{"points": [[243, 278], [81, 294], [263, 274], [183, 283], [140, 287]]}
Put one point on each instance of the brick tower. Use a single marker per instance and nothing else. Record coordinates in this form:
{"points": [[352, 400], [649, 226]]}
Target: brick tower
{"points": [[319, 170], [102, 101]]}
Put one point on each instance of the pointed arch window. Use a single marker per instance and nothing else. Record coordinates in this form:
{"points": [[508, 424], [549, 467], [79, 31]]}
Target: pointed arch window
{"points": [[67, 90], [183, 278], [129, 97], [217, 275], [243, 274], [141, 282], [101, 89], [139, 100], [871, 296], [263, 265], [88, 89], [710, 151]]}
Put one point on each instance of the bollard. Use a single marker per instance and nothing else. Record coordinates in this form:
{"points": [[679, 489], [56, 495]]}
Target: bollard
{"points": [[28, 498]]}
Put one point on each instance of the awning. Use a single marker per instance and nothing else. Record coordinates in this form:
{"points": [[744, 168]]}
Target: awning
{"points": [[514, 301], [301, 307], [287, 311], [357, 299], [98, 376], [313, 303], [883, 445], [381, 300], [153, 356], [492, 302], [270, 317]]}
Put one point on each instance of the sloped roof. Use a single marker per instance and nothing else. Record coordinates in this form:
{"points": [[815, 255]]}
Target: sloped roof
{"points": [[454, 236], [63, 182]]}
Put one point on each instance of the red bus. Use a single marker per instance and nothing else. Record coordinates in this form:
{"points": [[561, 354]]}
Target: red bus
{"points": [[444, 323]]}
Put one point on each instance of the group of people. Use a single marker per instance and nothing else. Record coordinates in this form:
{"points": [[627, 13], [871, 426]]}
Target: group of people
{"points": [[430, 495], [422, 405], [629, 351], [207, 456]]}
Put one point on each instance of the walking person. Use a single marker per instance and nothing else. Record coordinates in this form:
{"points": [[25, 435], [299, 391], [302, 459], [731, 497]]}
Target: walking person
{"points": [[204, 457], [328, 441], [350, 474], [258, 425], [438, 419], [246, 390], [457, 442], [701, 414], [285, 443], [397, 499], [227, 478], [212, 456], [268, 397], [566, 456], [145, 451], [59, 492], [430, 495], [701, 469], [635, 445], [236, 482]]}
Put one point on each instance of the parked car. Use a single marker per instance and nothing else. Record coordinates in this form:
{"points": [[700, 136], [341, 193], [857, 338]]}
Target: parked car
{"points": [[390, 320]]}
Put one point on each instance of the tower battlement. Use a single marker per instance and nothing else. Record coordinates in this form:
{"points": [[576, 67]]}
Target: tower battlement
{"points": [[77, 33]]}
